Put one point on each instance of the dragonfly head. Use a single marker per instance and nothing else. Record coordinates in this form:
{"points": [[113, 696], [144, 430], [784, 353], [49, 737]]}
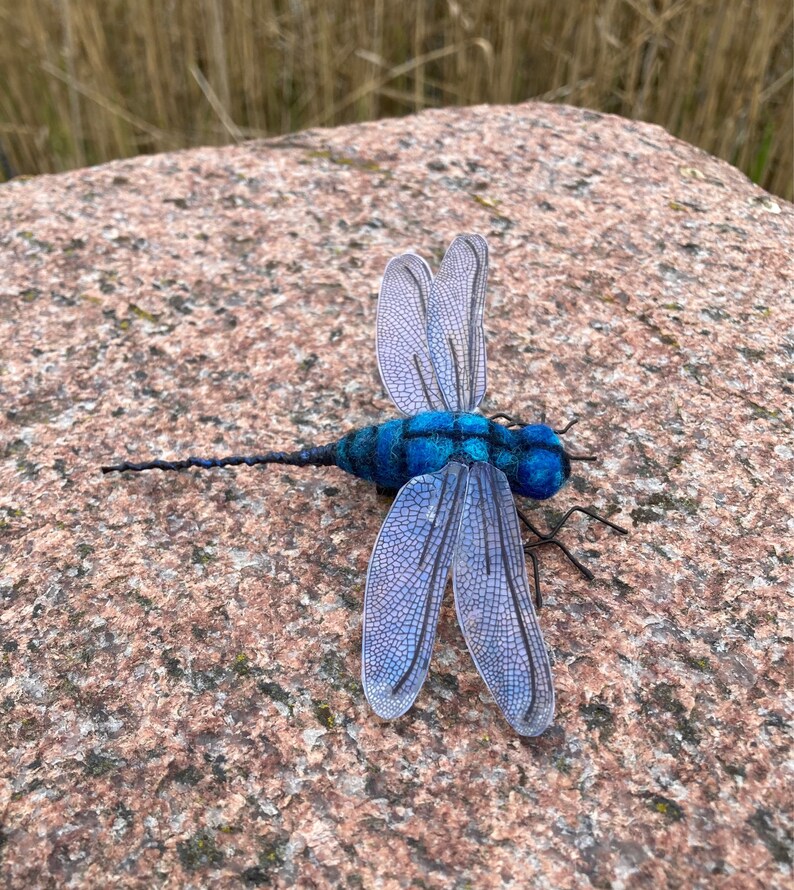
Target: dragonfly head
{"points": [[543, 465]]}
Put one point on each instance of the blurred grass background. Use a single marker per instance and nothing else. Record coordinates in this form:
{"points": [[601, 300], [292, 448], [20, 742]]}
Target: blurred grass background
{"points": [[84, 81]]}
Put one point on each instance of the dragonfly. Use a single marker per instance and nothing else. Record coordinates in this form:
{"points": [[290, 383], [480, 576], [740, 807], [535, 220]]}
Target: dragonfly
{"points": [[454, 473]]}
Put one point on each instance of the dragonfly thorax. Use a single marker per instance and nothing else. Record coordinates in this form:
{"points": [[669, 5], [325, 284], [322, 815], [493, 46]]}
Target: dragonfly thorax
{"points": [[396, 451]]}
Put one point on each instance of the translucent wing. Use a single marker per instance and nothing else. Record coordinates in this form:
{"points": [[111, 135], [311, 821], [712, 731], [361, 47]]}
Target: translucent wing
{"points": [[405, 584], [454, 322], [401, 336], [494, 604]]}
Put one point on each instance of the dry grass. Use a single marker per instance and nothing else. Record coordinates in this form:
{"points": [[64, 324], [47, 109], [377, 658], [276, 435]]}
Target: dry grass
{"points": [[82, 81]]}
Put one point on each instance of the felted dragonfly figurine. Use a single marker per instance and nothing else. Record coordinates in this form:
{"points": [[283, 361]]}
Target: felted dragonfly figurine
{"points": [[455, 472]]}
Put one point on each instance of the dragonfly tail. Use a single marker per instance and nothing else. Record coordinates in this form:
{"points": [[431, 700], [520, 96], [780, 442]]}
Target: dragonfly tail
{"points": [[320, 456]]}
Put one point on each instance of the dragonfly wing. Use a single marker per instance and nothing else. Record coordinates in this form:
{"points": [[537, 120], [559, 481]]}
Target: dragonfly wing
{"points": [[405, 585], [401, 336], [454, 322], [494, 604]]}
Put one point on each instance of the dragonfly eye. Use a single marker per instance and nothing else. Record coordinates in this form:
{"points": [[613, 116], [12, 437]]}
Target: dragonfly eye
{"points": [[541, 473], [543, 466]]}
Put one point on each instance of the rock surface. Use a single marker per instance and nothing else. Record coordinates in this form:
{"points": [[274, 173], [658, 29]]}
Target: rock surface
{"points": [[181, 702]]}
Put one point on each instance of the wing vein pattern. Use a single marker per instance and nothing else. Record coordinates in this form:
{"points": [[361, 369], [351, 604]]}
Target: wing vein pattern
{"points": [[407, 575], [493, 600], [454, 323], [401, 336]]}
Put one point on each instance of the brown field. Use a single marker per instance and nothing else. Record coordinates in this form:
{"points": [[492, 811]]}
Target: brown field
{"points": [[84, 81]]}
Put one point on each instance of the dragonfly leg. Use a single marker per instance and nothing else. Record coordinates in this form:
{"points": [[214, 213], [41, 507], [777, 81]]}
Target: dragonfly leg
{"points": [[528, 548], [536, 573], [511, 421], [551, 538], [588, 512], [553, 533], [535, 531], [565, 429], [514, 421]]}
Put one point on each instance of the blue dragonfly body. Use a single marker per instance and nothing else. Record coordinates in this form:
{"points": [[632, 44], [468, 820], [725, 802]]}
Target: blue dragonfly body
{"points": [[391, 454], [455, 473]]}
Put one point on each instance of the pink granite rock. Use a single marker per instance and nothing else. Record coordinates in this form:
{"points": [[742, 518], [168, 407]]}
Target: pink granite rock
{"points": [[181, 704]]}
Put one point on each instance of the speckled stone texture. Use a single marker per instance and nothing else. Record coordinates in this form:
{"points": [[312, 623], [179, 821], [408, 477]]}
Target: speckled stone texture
{"points": [[181, 704]]}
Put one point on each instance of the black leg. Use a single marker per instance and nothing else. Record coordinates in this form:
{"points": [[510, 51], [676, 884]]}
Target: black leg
{"points": [[535, 531], [565, 429], [551, 538], [588, 512], [511, 421], [536, 573], [514, 421], [583, 569]]}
